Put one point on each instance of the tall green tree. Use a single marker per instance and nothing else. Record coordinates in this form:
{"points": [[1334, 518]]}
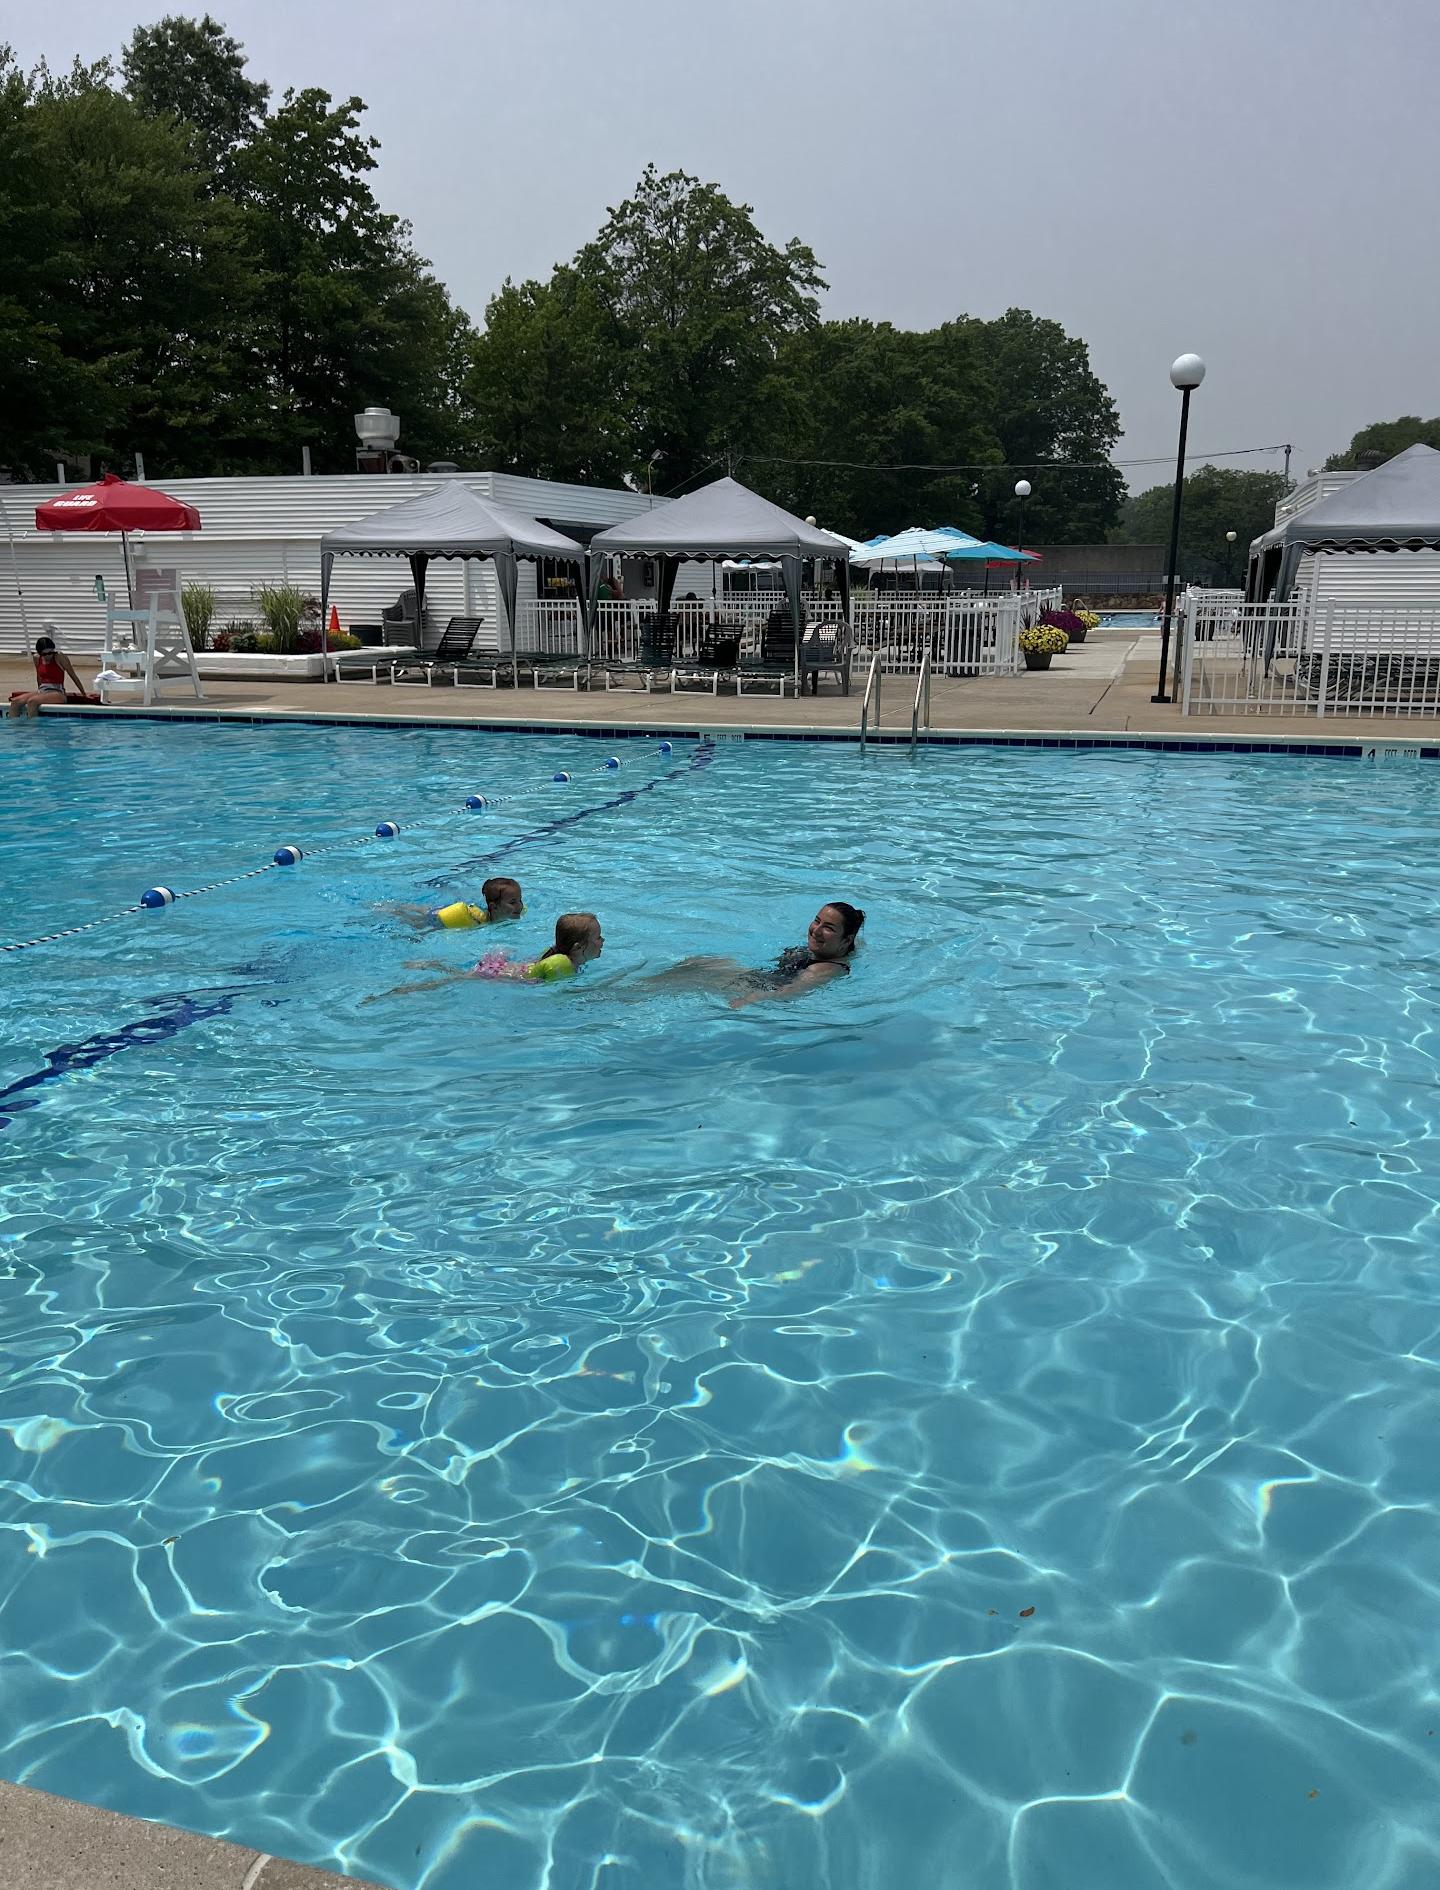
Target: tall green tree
{"points": [[1387, 438], [859, 412], [1056, 426], [52, 406], [655, 348], [146, 268], [192, 72], [1217, 499], [343, 312], [544, 384]]}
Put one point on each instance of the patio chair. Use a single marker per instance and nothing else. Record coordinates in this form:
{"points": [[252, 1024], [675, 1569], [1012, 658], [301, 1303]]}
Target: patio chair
{"points": [[656, 658], [400, 622], [776, 660], [717, 656], [449, 653], [826, 646]]}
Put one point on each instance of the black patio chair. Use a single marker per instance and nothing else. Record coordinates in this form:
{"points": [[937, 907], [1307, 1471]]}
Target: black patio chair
{"points": [[656, 658], [717, 656], [775, 662], [449, 653]]}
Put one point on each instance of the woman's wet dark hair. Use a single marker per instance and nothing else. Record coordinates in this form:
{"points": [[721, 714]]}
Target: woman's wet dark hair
{"points": [[44, 645], [851, 919]]}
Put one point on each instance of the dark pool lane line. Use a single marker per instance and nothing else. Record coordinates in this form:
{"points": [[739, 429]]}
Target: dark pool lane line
{"points": [[702, 757], [173, 1014]]}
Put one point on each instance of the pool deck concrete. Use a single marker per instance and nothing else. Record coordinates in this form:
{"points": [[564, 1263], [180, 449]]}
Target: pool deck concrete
{"points": [[1100, 687], [54, 1844]]}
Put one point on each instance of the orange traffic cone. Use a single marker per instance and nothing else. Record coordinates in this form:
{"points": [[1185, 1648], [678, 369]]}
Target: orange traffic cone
{"points": [[332, 628]]}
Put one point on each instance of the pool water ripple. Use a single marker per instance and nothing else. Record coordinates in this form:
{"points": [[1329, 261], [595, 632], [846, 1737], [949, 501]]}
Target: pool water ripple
{"points": [[974, 1425]]}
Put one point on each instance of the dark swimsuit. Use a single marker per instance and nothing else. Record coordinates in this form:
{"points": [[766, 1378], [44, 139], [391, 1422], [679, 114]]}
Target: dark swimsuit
{"points": [[786, 969]]}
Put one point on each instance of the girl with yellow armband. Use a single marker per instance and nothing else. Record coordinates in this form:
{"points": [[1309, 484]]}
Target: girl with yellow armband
{"points": [[578, 942]]}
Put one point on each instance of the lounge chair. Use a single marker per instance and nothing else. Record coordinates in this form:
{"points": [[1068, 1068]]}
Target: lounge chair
{"points": [[717, 656], [449, 653], [656, 658], [554, 667], [776, 660]]}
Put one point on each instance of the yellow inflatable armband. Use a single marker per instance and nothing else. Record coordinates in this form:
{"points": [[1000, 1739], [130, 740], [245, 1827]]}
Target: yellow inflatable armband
{"points": [[452, 917], [553, 965]]}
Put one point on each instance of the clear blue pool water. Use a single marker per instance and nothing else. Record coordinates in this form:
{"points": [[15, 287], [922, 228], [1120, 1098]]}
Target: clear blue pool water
{"points": [[975, 1426]]}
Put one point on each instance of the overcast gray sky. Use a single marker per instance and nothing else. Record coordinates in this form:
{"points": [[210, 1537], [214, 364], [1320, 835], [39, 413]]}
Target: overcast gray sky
{"points": [[1251, 179]]}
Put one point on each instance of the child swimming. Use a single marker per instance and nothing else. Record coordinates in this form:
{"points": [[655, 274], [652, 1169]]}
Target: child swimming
{"points": [[503, 901], [578, 942]]}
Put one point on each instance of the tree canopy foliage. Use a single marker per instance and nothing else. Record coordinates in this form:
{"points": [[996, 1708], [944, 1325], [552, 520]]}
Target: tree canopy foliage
{"points": [[1217, 500], [1386, 438], [189, 275], [197, 271], [680, 342]]}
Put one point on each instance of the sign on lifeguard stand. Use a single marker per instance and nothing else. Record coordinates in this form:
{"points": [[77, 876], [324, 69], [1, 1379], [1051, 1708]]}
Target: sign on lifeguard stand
{"points": [[150, 645]]}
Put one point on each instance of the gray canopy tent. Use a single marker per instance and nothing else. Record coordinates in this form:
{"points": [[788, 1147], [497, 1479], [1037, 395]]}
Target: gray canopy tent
{"points": [[451, 522], [723, 520], [1394, 508]]}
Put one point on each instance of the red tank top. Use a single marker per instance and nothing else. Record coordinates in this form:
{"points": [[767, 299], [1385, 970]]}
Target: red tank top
{"points": [[48, 673]]}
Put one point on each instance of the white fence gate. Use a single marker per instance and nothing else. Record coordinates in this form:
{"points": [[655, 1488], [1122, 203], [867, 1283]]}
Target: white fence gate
{"points": [[1308, 658]]}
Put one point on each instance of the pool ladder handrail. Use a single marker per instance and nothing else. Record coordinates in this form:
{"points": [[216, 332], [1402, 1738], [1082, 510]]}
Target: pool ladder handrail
{"points": [[872, 688], [922, 693]]}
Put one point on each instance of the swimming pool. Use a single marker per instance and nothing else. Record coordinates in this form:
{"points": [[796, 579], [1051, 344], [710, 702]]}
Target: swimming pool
{"points": [[974, 1425]]}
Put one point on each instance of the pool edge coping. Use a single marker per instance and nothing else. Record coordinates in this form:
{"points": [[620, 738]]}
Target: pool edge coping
{"points": [[1338, 746], [64, 1843]]}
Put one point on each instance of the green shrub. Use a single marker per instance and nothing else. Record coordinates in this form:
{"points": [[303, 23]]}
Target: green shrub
{"points": [[198, 603], [282, 606]]}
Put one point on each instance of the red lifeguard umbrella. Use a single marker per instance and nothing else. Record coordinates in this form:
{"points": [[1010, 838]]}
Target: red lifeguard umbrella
{"points": [[114, 504]]}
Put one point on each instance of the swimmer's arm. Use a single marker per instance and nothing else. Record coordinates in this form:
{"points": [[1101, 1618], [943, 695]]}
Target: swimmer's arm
{"points": [[804, 981]]}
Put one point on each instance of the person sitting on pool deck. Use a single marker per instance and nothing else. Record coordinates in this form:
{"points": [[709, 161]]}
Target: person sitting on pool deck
{"points": [[829, 946], [503, 901], [51, 669], [578, 942]]}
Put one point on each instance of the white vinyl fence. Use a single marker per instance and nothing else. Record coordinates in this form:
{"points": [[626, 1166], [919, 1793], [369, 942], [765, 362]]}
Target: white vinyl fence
{"points": [[1308, 658], [966, 634]]}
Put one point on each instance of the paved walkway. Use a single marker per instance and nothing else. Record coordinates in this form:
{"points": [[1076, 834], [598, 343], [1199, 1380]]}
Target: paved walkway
{"points": [[54, 1844], [1103, 685]]}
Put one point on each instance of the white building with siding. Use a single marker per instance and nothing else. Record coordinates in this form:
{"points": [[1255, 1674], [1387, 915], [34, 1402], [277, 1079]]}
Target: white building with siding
{"points": [[259, 531]]}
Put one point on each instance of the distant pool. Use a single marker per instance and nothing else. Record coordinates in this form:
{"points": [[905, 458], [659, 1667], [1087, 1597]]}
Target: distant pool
{"points": [[976, 1424], [1127, 619]]}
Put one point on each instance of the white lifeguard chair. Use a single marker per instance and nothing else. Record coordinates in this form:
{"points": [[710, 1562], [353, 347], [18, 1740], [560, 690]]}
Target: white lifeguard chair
{"points": [[146, 649]]}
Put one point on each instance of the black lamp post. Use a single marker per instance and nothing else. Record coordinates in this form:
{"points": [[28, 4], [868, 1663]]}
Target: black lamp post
{"points": [[1186, 372], [1022, 493]]}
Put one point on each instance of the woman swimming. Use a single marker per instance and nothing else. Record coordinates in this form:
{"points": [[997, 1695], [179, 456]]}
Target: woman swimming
{"points": [[829, 945]]}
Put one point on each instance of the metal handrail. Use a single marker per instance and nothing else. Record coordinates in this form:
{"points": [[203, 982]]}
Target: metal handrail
{"points": [[922, 691], [872, 687]]}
